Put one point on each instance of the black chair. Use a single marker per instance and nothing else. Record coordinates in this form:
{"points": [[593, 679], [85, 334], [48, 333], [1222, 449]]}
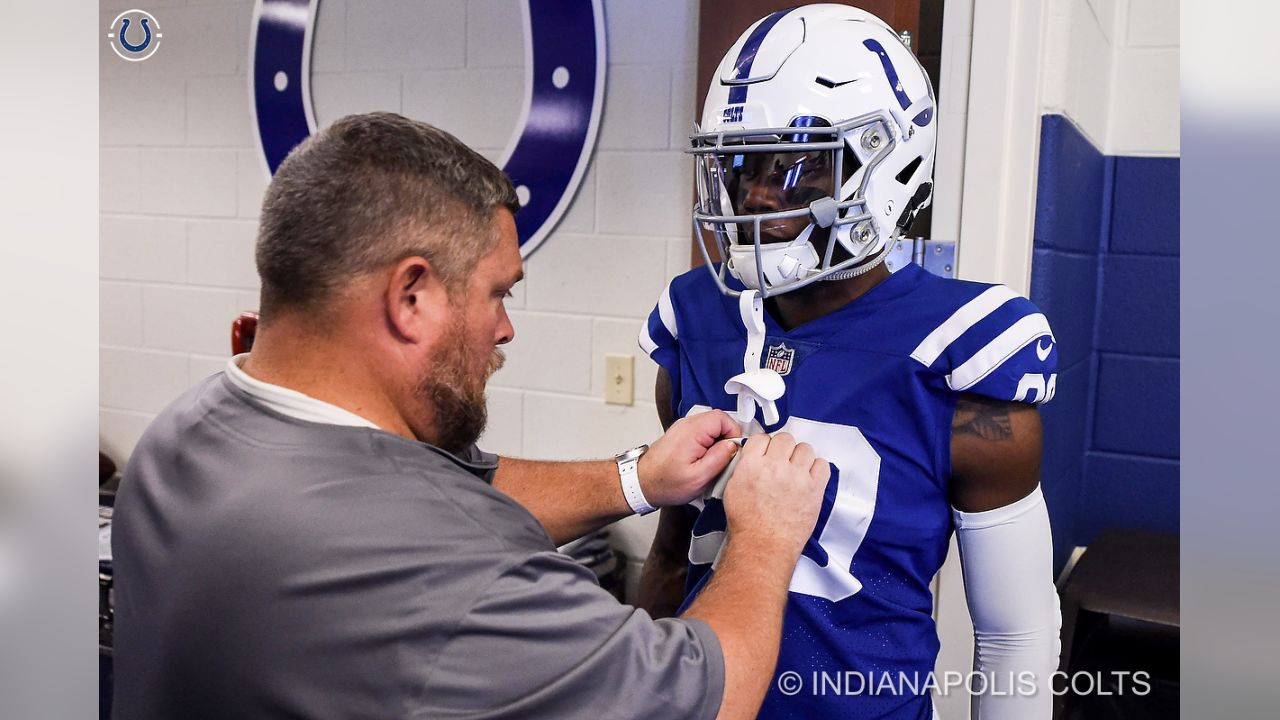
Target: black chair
{"points": [[1119, 619]]}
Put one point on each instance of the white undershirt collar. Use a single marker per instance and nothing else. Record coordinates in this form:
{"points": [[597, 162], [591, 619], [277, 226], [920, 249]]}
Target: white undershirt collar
{"points": [[291, 402]]}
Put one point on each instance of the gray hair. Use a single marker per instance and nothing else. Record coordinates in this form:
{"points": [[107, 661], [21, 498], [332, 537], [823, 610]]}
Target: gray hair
{"points": [[365, 193]]}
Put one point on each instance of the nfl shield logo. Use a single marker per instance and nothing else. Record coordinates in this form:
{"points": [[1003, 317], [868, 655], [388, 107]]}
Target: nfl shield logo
{"points": [[779, 358]]}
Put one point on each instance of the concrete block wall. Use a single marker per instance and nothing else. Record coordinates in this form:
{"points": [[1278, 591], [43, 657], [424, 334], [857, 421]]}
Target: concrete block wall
{"points": [[179, 191], [1105, 267], [182, 186], [1132, 464], [1112, 67]]}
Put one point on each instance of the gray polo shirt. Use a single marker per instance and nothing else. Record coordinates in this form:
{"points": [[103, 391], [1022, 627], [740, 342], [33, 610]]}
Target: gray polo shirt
{"points": [[267, 566]]}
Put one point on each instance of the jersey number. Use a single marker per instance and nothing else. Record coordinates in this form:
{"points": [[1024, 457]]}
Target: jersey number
{"points": [[857, 478]]}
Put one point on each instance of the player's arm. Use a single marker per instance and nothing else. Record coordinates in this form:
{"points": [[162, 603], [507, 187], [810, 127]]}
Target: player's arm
{"points": [[1006, 553], [662, 582], [995, 452]]}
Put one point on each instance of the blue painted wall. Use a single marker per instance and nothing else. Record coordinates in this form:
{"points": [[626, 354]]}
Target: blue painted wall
{"points": [[1105, 272]]}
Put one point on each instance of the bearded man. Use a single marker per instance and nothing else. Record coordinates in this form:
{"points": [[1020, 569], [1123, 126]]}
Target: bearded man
{"points": [[313, 532]]}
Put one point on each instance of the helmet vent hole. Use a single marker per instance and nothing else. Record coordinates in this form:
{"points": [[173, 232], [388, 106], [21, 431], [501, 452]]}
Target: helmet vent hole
{"points": [[905, 176], [825, 82]]}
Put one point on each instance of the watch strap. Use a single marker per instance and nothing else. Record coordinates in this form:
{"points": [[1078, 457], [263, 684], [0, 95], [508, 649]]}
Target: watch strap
{"points": [[631, 485]]}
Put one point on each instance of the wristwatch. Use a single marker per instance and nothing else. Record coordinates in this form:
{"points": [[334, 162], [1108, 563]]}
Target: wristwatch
{"points": [[627, 463]]}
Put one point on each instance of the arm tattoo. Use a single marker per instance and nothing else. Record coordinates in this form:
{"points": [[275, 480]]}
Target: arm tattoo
{"points": [[985, 418]]}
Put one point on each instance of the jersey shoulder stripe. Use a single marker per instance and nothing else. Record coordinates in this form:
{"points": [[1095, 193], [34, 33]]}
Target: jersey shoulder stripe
{"points": [[660, 325], [994, 342], [999, 350], [660, 333], [691, 295], [927, 352]]}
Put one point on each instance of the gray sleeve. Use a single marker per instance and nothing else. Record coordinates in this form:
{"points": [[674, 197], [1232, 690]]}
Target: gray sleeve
{"points": [[545, 641]]}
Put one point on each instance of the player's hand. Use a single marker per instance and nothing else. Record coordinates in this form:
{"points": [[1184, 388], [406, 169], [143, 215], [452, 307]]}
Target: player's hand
{"points": [[680, 464], [775, 493]]}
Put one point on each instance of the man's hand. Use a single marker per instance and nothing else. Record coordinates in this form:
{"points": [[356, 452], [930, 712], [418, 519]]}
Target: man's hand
{"points": [[679, 465], [776, 491], [771, 504]]}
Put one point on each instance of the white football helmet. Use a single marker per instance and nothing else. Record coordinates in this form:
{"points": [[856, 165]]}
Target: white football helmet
{"points": [[806, 101]]}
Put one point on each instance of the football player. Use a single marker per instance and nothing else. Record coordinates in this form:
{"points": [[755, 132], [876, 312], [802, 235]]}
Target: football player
{"points": [[814, 154]]}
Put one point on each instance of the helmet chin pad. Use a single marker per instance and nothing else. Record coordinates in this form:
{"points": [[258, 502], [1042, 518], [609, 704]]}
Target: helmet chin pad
{"points": [[783, 264]]}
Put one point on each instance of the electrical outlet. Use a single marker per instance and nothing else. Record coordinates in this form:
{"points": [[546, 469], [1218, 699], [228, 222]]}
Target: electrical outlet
{"points": [[620, 379]]}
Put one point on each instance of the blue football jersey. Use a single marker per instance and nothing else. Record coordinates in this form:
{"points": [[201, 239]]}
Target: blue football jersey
{"points": [[873, 387]]}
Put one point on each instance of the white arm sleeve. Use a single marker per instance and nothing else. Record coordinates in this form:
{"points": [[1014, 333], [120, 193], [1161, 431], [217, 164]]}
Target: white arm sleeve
{"points": [[1007, 558]]}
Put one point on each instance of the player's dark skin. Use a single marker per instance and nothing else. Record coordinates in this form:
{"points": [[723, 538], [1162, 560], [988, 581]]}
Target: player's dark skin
{"points": [[995, 445]]}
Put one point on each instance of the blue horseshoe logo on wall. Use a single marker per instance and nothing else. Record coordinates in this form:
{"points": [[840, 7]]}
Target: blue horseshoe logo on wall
{"points": [[551, 147]]}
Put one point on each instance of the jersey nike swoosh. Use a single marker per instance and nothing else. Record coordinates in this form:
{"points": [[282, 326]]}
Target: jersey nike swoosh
{"points": [[1042, 352]]}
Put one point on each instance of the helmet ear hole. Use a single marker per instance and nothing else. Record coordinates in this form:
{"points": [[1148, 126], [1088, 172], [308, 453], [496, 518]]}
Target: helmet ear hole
{"points": [[904, 176], [908, 215]]}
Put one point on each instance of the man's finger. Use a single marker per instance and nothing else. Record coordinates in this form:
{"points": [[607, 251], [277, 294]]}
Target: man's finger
{"points": [[716, 458], [781, 445], [756, 444], [803, 454], [820, 471], [727, 426]]}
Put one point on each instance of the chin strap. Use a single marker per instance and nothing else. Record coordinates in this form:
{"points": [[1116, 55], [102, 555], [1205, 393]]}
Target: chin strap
{"points": [[756, 386], [864, 268]]}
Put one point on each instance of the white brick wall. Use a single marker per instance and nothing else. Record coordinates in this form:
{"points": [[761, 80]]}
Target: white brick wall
{"points": [[550, 352], [637, 110], [119, 314], [118, 179], [181, 187], [1112, 67], [446, 98], [142, 248], [613, 275], [220, 253], [218, 112], [187, 182], [406, 34]]}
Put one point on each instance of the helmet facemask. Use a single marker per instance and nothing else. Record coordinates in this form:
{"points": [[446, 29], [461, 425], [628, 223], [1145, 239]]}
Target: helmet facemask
{"points": [[768, 197]]}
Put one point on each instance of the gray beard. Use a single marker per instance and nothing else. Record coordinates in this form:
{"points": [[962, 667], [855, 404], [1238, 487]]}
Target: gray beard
{"points": [[457, 397]]}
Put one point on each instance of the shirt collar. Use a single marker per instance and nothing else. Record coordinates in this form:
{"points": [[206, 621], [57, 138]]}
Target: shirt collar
{"points": [[291, 402]]}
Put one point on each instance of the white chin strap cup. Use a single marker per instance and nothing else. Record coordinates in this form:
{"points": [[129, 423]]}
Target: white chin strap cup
{"points": [[755, 386], [781, 263]]}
